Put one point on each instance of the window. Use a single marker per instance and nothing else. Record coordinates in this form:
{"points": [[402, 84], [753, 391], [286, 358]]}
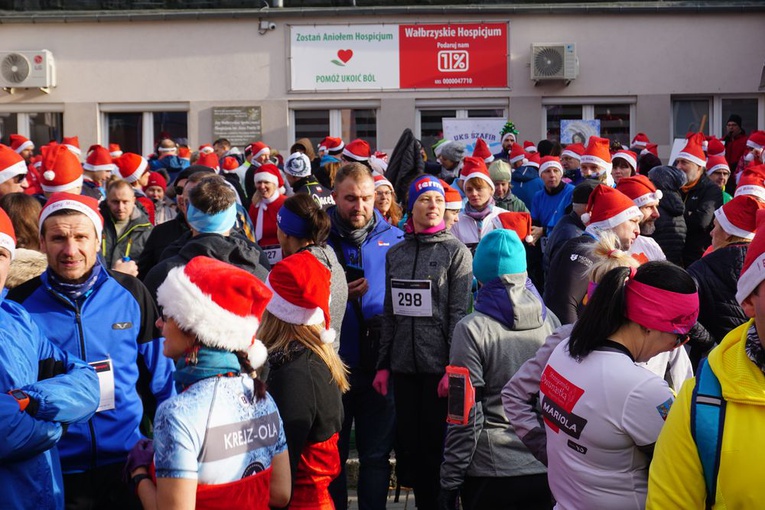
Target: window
{"points": [[431, 126], [39, 127], [347, 123], [745, 107], [139, 131], [615, 116], [690, 115]]}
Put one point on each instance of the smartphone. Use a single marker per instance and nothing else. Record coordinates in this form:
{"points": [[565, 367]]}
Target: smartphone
{"points": [[461, 396], [353, 273]]}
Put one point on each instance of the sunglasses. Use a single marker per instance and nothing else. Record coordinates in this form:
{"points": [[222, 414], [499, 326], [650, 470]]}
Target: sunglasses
{"points": [[178, 190], [19, 178], [681, 340]]}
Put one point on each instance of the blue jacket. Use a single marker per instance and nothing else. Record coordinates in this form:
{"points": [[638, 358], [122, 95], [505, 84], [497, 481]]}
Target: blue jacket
{"points": [[30, 472], [370, 260], [115, 321], [526, 182], [547, 209]]}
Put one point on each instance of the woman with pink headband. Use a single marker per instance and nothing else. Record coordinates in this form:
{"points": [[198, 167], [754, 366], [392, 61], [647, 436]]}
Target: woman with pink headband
{"points": [[602, 412]]}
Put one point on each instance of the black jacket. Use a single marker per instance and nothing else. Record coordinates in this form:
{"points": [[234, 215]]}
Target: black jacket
{"points": [[716, 275], [567, 281], [568, 227], [234, 249], [405, 163], [314, 189], [162, 236], [701, 201], [670, 230]]}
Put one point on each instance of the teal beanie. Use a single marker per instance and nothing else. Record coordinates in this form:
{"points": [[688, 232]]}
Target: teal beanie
{"points": [[499, 252]]}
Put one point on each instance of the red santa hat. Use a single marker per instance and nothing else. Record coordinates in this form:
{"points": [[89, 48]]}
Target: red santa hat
{"points": [[61, 170], [715, 163], [752, 182], [157, 179], [738, 217], [517, 154], [131, 167], [597, 153], [258, 149], [529, 146], [715, 147], [608, 207], [206, 148], [7, 234], [482, 151], [640, 189], [73, 144], [640, 140], [209, 160], [756, 140], [518, 222], [380, 180], [269, 173], [753, 272], [475, 168], [357, 150], [183, 153], [114, 150], [229, 164], [533, 159], [651, 148], [549, 162], [332, 145], [20, 143], [452, 197], [573, 150], [628, 156], [301, 292], [99, 159], [81, 203], [11, 164], [693, 152], [220, 304]]}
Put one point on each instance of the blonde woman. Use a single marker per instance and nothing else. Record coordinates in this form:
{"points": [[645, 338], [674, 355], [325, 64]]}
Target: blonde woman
{"points": [[306, 377], [386, 201]]}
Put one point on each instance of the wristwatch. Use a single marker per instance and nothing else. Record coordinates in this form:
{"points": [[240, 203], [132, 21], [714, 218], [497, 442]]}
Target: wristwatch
{"points": [[21, 397]]}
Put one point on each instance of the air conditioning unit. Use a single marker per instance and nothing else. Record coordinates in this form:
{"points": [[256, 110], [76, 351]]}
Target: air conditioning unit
{"points": [[554, 61], [27, 69]]}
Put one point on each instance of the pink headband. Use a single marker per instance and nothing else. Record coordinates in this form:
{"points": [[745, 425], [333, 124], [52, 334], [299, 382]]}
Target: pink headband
{"points": [[659, 309]]}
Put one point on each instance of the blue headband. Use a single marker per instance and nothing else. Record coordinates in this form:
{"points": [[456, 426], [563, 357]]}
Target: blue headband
{"points": [[292, 224], [423, 185], [217, 223], [328, 159]]}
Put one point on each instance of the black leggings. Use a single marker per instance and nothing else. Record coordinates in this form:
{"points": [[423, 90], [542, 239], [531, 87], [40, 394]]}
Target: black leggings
{"points": [[530, 492], [420, 431]]}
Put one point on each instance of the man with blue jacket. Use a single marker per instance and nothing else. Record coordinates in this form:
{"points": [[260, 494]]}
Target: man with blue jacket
{"points": [[361, 238], [107, 319], [42, 390]]}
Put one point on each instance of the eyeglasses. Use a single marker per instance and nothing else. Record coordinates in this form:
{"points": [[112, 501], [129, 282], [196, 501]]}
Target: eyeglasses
{"points": [[681, 340], [18, 179], [383, 193], [178, 190]]}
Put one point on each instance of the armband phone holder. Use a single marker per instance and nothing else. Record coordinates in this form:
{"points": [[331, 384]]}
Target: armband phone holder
{"points": [[461, 395]]}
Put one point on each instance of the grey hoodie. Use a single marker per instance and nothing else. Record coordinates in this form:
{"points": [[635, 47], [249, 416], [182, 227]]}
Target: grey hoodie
{"points": [[420, 345], [510, 323]]}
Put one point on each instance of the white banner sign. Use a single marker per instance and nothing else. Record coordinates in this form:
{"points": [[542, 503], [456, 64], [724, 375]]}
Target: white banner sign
{"points": [[341, 57], [467, 131]]}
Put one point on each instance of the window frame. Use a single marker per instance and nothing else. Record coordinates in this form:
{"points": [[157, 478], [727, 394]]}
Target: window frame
{"points": [[335, 115], [147, 110]]}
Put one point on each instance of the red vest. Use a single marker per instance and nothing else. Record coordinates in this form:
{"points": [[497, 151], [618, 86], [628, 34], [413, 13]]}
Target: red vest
{"points": [[319, 465]]}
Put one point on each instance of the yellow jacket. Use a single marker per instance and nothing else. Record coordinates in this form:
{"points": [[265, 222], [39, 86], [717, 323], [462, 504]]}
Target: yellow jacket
{"points": [[676, 479]]}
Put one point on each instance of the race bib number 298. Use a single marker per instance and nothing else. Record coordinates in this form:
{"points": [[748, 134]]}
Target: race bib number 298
{"points": [[411, 298]]}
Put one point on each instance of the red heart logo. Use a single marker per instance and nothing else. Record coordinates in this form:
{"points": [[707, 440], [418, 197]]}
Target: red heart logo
{"points": [[345, 55]]}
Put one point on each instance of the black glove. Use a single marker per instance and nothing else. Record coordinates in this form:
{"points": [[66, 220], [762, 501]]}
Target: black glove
{"points": [[447, 499]]}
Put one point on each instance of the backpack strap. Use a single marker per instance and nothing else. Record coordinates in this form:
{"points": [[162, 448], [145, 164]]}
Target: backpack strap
{"points": [[707, 420]]}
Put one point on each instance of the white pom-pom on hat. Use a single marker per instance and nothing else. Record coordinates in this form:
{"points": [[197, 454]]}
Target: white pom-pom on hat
{"points": [[328, 336], [257, 354], [586, 218], [49, 175]]}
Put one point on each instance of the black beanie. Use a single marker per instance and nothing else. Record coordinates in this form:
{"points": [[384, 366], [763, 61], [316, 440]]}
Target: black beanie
{"points": [[582, 191], [735, 118]]}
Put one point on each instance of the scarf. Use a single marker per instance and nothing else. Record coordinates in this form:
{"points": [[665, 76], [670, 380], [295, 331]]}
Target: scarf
{"points": [[754, 349], [689, 186], [479, 215], [262, 208], [409, 228], [354, 236], [209, 362], [75, 291]]}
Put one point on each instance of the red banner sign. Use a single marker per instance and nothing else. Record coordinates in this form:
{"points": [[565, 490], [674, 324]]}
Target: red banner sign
{"points": [[472, 55]]}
